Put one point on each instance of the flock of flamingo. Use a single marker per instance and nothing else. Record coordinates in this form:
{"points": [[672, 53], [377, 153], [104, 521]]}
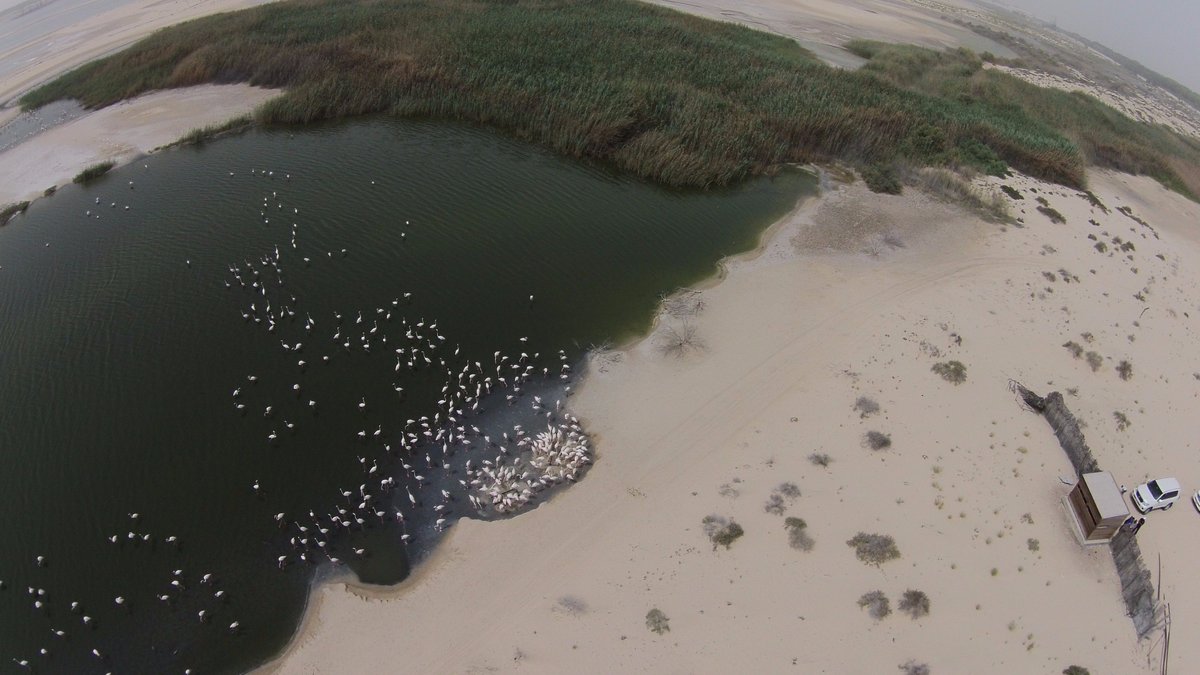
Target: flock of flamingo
{"points": [[418, 474]]}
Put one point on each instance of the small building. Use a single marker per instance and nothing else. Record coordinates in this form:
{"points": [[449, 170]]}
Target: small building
{"points": [[1098, 508]]}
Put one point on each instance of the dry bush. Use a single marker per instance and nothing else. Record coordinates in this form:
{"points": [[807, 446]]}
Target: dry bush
{"points": [[877, 603], [1123, 422], [1074, 347], [721, 531], [1125, 370], [822, 459], [775, 505], [877, 440], [679, 341], [1076, 670], [914, 603], [683, 303], [571, 605], [798, 534], [951, 371], [866, 406], [1052, 213], [911, 667], [789, 490], [952, 187], [874, 549], [657, 622], [1033, 544], [1094, 360]]}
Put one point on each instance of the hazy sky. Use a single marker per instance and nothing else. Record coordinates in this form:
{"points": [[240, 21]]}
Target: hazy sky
{"points": [[1162, 34]]}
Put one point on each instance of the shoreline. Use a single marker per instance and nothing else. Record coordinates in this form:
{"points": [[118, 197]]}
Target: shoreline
{"points": [[121, 133], [783, 332], [443, 549]]}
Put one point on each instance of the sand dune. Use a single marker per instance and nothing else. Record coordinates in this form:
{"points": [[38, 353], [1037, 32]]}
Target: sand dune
{"points": [[791, 338]]}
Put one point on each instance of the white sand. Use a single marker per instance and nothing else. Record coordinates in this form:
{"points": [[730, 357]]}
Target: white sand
{"points": [[119, 133], [791, 339], [40, 40]]}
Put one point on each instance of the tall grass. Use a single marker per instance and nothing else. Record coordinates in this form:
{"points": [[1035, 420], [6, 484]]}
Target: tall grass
{"points": [[668, 96]]}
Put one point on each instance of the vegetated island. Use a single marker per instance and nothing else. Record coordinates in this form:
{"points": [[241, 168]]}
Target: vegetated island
{"points": [[670, 97]]}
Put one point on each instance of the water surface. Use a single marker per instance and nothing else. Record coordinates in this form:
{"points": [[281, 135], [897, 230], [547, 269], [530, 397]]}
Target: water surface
{"points": [[121, 345]]}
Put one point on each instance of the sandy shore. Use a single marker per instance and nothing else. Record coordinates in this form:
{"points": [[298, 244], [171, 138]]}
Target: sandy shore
{"points": [[856, 295], [119, 133]]}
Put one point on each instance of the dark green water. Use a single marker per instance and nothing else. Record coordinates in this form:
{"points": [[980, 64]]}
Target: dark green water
{"points": [[119, 358]]}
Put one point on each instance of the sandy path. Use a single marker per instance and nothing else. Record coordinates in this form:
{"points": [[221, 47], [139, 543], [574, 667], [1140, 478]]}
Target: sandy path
{"points": [[791, 339], [119, 133]]}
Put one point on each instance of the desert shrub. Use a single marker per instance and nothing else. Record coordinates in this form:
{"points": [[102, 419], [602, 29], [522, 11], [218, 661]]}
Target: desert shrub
{"points": [[876, 603], [882, 177], [1125, 370], [911, 667], [1123, 422], [569, 604], [951, 371], [866, 406], [798, 537], [1052, 213], [822, 459], [914, 603], [722, 531], [789, 490], [1094, 360], [657, 622], [877, 440], [679, 341], [93, 172], [1011, 192], [1076, 670], [1074, 347], [1033, 544], [874, 549], [775, 504], [1101, 247], [1094, 200]]}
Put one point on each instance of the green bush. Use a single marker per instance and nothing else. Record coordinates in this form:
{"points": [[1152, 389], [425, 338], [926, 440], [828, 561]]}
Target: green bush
{"points": [[93, 172], [882, 178]]}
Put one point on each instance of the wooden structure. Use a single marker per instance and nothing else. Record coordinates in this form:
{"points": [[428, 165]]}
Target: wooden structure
{"points": [[1098, 506]]}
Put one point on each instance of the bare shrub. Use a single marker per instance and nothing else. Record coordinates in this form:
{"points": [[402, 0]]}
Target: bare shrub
{"points": [[1125, 370], [775, 505], [657, 622], [1123, 422], [571, 606], [722, 531], [877, 440], [679, 341], [1074, 347], [789, 490], [874, 549], [798, 534], [911, 667], [1094, 360], [951, 371], [1034, 544], [866, 407], [822, 459], [877, 604], [914, 603], [1076, 670]]}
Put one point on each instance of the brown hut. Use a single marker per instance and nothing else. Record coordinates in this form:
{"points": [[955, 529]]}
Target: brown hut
{"points": [[1098, 506]]}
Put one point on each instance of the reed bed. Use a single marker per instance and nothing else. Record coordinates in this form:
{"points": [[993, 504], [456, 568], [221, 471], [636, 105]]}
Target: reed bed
{"points": [[667, 96]]}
